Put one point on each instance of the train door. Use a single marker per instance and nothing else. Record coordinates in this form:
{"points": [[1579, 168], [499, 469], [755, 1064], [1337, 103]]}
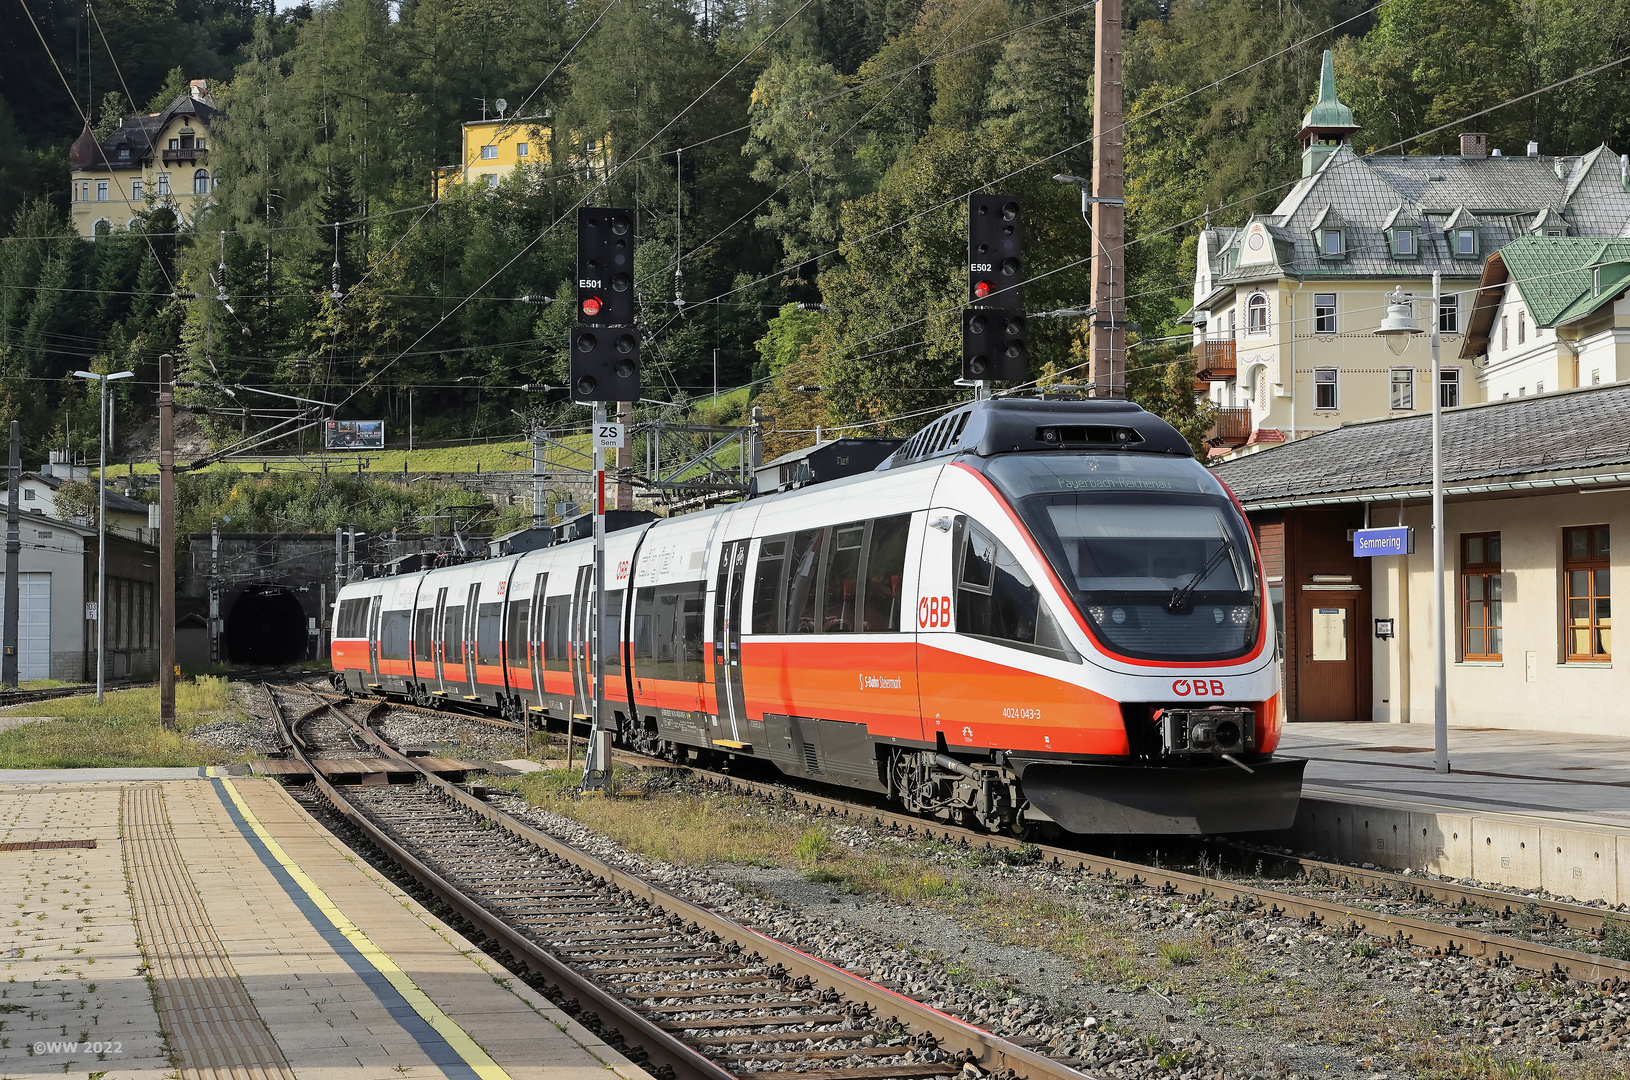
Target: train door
{"points": [[582, 671], [534, 638], [471, 612], [438, 646], [727, 683], [373, 638]]}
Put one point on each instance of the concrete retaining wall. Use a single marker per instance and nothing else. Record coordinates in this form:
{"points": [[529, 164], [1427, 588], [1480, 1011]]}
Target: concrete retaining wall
{"points": [[1563, 858]]}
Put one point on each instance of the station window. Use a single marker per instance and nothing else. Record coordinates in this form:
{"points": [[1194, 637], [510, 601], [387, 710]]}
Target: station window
{"points": [[1480, 597], [1324, 388], [1324, 313], [1403, 388], [1256, 314], [1588, 616], [1449, 387], [1449, 314]]}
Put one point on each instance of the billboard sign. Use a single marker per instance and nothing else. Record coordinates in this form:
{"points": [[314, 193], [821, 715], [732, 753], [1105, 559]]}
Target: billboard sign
{"points": [[354, 435]]}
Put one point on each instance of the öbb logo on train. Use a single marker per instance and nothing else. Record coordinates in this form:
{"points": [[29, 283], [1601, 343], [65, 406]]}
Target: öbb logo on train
{"points": [[934, 611], [1197, 687]]}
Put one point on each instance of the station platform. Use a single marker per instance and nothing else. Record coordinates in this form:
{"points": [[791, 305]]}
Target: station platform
{"points": [[1534, 810], [208, 927]]}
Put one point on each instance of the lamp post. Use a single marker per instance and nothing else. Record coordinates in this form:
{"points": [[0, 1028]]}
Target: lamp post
{"points": [[102, 521], [1398, 328]]}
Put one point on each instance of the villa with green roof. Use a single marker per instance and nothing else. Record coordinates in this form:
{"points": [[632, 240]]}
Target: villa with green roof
{"points": [[1551, 312], [1286, 305]]}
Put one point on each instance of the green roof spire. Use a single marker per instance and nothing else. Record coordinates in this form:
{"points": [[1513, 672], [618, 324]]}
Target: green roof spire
{"points": [[1328, 114]]}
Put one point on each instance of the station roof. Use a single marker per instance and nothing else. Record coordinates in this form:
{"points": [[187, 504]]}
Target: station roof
{"points": [[1564, 440]]}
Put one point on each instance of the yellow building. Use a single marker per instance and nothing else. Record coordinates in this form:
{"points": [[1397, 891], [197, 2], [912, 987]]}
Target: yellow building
{"points": [[160, 160], [493, 149]]}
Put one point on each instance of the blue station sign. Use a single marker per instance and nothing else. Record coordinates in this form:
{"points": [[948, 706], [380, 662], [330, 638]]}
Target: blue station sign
{"points": [[1393, 540]]}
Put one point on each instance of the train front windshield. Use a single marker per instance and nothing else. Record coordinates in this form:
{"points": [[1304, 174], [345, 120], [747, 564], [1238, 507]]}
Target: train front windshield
{"points": [[1154, 553]]}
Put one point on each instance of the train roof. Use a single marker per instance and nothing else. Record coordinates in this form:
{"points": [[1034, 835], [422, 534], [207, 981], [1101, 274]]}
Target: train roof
{"points": [[1019, 425]]}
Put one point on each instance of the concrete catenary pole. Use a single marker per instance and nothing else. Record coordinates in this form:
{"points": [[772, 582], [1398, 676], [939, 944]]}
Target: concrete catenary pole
{"points": [[166, 541], [1440, 612], [14, 548], [625, 458], [1108, 365], [102, 544]]}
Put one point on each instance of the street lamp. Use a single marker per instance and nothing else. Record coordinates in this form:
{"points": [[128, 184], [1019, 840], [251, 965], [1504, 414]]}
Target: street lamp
{"points": [[102, 521], [1398, 328]]}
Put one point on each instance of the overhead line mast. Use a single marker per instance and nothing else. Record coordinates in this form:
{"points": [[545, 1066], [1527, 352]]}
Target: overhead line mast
{"points": [[1109, 210]]}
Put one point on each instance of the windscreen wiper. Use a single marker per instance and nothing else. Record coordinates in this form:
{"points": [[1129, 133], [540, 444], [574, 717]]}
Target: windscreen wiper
{"points": [[1179, 602]]}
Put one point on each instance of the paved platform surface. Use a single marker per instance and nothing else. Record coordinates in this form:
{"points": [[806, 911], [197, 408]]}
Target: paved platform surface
{"points": [[1574, 778], [216, 930]]}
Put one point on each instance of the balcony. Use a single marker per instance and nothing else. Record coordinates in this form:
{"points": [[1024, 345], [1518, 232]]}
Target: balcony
{"points": [[186, 153], [1233, 426], [1216, 361]]}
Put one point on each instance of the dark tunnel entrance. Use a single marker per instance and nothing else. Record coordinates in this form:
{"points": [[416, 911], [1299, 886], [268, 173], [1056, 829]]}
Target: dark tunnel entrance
{"points": [[266, 625]]}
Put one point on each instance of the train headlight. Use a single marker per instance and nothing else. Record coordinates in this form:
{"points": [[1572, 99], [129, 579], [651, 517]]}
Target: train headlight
{"points": [[1240, 616], [1097, 613]]}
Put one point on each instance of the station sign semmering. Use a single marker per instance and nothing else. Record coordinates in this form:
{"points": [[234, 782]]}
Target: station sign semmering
{"points": [[1393, 540]]}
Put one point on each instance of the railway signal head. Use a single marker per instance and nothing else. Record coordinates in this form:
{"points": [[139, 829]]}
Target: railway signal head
{"points": [[995, 251], [605, 364], [605, 266], [993, 346]]}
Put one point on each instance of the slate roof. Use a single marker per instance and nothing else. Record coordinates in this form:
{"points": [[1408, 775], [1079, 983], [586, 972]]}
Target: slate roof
{"points": [[1562, 432], [1506, 195], [117, 503], [134, 141]]}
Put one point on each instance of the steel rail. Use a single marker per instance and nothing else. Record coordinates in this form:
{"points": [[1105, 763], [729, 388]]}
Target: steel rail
{"points": [[1496, 949], [989, 1052], [24, 697], [661, 1046]]}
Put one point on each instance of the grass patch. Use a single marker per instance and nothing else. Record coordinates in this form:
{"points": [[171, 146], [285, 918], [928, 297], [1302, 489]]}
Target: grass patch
{"points": [[1177, 953], [124, 731], [812, 846]]}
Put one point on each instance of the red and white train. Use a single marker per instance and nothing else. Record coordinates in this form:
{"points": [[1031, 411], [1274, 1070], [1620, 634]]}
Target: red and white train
{"points": [[1032, 613]]}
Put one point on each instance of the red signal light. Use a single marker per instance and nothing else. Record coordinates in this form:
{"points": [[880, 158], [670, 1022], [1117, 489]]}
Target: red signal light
{"points": [[591, 305], [981, 290]]}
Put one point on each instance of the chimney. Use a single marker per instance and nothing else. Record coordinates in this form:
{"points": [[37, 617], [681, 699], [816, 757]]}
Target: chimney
{"points": [[1533, 148], [1474, 144], [199, 89]]}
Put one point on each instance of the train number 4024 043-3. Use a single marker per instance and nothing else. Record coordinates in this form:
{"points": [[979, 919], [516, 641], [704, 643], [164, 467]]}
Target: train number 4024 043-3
{"points": [[1021, 712]]}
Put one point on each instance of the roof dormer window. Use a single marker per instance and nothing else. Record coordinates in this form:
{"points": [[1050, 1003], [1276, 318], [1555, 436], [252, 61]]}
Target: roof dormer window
{"points": [[1330, 244], [124, 153], [1465, 243], [1403, 244]]}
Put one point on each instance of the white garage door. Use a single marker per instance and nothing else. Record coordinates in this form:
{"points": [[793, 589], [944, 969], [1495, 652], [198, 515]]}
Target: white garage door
{"points": [[34, 625]]}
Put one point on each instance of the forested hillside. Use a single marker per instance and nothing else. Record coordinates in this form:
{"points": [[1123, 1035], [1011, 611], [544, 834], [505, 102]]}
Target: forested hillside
{"points": [[790, 151]]}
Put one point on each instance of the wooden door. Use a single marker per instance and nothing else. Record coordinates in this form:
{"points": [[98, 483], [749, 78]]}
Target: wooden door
{"points": [[1328, 686]]}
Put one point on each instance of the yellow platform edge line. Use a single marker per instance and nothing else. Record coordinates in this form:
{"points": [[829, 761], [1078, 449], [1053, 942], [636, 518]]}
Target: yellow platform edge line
{"points": [[459, 1039]]}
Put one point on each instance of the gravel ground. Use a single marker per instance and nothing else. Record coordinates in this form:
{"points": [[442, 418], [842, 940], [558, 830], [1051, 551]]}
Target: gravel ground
{"points": [[451, 736], [1201, 991]]}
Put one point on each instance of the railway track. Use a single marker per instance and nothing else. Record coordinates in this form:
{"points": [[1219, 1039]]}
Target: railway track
{"points": [[1442, 917], [682, 989], [24, 697]]}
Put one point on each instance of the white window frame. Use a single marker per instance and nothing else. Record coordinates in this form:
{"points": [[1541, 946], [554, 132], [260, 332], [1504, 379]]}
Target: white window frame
{"points": [[523, 149], [489, 152], [163, 184], [1324, 315], [1449, 314], [492, 181], [135, 191], [1463, 248], [1449, 387], [1328, 238], [1258, 302], [1333, 382], [1404, 401], [1404, 242], [101, 191]]}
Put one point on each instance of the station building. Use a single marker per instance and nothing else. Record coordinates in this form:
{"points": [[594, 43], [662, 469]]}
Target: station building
{"points": [[1285, 306], [1537, 491]]}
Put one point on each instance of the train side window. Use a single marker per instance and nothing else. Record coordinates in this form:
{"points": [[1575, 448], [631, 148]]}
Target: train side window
{"points": [[520, 617], [452, 634], [772, 561], [352, 621], [557, 622], [885, 572], [646, 650], [489, 630], [838, 614], [611, 627], [693, 606], [996, 599], [802, 571], [393, 635], [424, 620]]}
